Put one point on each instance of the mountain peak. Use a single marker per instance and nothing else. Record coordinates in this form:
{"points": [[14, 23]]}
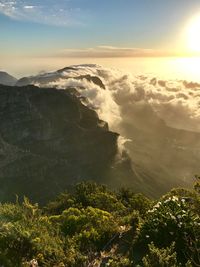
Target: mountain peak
{"points": [[7, 79]]}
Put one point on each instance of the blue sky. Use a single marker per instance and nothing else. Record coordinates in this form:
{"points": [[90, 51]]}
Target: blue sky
{"points": [[102, 28]]}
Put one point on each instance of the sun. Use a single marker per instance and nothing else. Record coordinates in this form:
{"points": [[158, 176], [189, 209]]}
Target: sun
{"points": [[193, 34]]}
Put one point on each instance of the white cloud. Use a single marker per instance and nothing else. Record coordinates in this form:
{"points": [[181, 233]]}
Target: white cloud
{"points": [[29, 7], [59, 14], [176, 102], [111, 51]]}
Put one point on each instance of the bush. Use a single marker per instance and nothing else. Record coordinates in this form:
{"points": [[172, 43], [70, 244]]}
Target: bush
{"points": [[91, 227], [165, 257], [172, 220], [26, 234], [74, 229]]}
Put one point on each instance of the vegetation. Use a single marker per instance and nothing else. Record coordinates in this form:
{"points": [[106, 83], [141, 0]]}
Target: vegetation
{"points": [[93, 226]]}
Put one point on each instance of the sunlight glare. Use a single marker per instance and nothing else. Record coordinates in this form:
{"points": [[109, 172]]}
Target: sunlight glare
{"points": [[194, 34]]}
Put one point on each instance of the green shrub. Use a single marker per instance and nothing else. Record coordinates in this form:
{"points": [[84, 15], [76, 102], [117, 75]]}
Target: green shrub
{"points": [[171, 219], [26, 234], [91, 227], [165, 257]]}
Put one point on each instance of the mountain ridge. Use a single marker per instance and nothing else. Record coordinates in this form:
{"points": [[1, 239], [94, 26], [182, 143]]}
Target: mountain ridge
{"points": [[49, 140], [7, 79]]}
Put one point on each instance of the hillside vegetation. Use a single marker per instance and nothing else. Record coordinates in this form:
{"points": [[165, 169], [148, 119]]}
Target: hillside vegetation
{"points": [[93, 226]]}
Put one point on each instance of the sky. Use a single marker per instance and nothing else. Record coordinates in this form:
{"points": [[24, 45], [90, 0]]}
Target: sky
{"points": [[50, 30]]}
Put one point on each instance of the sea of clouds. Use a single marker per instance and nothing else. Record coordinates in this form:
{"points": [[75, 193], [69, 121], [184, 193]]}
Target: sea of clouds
{"points": [[176, 102], [146, 112]]}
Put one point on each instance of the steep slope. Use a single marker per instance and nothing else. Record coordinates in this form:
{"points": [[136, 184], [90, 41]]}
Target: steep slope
{"points": [[50, 140], [7, 79], [144, 111], [163, 156]]}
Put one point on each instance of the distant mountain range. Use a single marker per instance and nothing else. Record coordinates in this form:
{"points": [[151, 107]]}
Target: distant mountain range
{"points": [[51, 138], [7, 79]]}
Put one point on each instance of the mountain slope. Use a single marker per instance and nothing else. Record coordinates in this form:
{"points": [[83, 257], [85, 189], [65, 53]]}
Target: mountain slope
{"points": [[7, 79], [163, 156], [50, 140]]}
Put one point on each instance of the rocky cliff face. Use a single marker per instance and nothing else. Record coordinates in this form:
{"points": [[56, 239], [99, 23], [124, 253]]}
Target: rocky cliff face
{"points": [[7, 79], [49, 140]]}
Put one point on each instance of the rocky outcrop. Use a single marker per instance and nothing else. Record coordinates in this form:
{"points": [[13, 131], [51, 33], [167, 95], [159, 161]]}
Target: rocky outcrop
{"points": [[7, 79], [49, 140]]}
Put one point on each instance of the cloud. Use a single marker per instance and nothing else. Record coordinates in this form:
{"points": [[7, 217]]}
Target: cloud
{"points": [[176, 102], [58, 13], [111, 52], [29, 7], [139, 108]]}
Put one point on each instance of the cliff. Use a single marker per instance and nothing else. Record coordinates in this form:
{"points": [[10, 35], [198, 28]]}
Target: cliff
{"points": [[49, 140]]}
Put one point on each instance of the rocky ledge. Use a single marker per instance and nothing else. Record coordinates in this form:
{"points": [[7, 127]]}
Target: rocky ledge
{"points": [[48, 141]]}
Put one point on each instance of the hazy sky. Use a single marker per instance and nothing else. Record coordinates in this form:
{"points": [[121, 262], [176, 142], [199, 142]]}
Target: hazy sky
{"points": [[92, 28]]}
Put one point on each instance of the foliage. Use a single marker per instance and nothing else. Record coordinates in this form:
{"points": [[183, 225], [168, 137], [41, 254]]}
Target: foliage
{"points": [[91, 224], [119, 261], [165, 257], [134, 201], [90, 227], [26, 234], [171, 219]]}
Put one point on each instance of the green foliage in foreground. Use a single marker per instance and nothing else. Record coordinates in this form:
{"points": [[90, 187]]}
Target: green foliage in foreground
{"points": [[93, 226]]}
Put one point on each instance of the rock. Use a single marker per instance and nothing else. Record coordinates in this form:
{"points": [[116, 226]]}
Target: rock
{"points": [[49, 140]]}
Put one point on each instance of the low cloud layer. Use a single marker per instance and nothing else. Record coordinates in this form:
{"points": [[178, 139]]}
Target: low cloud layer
{"points": [[111, 52], [175, 102]]}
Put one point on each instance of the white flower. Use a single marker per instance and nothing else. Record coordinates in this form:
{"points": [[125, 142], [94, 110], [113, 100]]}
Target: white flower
{"points": [[34, 263], [171, 233], [157, 205], [174, 198], [173, 217], [150, 211], [147, 236], [180, 224]]}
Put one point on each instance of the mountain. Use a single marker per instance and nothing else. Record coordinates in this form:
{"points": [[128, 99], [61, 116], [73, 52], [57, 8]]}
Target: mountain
{"points": [[49, 140], [164, 157], [161, 156], [7, 79]]}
